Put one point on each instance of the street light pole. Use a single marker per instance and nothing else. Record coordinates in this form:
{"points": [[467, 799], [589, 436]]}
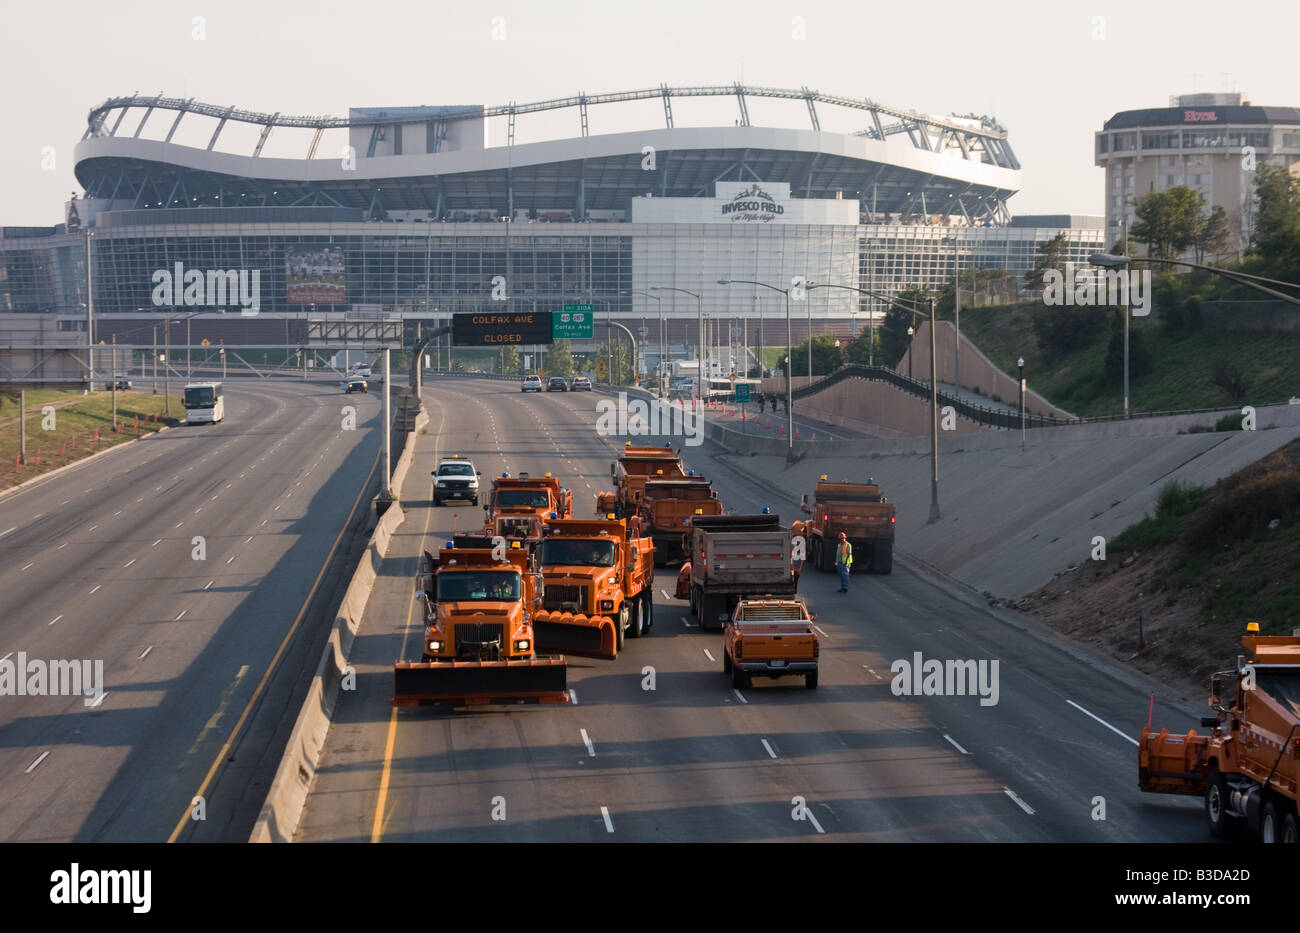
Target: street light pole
{"points": [[1021, 363], [789, 361], [911, 332], [699, 301]]}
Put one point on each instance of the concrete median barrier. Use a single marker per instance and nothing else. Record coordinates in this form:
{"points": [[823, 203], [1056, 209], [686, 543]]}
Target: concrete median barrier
{"points": [[287, 796]]}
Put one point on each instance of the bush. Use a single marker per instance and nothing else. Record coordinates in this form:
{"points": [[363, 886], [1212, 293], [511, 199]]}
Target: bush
{"points": [[1246, 505], [1229, 377], [1174, 500], [1229, 422]]}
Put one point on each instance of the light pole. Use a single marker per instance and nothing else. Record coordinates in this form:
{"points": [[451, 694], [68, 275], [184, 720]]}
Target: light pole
{"points": [[610, 323], [934, 382], [1021, 364], [699, 300], [789, 365], [658, 300], [1109, 261]]}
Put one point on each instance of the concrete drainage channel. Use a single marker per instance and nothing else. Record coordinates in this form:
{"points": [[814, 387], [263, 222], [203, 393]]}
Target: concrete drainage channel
{"points": [[282, 810]]}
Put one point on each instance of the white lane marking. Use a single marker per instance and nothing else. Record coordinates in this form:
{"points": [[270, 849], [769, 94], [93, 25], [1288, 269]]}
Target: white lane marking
{"points": [[873, 673], [146, 651], [1102, 721], [210, 582], [665, 592], [128, 563], [61, 546], [263, 523], [141, 499], [88, 530], [178, 618], [227, 486], [3, 533], [609, 824], [770, 753], [1024, 806], [587, 741], [954, 744], [740, 696], [709, 656], [55, 619], [573, 696], [686, 622], [812, 818], [199, 509], [117, 513], [99, 699], [178, 524], [276, 509], [156, 543], [820, 632], [32, 767], [212, 499], [66, 501], [230, 558], [249, 538], [92, 592], [27, 566]]}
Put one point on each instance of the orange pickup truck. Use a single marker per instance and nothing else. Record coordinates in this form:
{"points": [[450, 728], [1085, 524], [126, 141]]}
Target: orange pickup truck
{"points": [[770, 637]]}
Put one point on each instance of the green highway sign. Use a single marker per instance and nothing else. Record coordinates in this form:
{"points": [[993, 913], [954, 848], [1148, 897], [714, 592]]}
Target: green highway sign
{"points": [[573, 323], [742, 392]]}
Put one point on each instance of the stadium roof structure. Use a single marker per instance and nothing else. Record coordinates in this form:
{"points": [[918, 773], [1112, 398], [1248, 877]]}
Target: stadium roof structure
{"points": [[899, 162]]}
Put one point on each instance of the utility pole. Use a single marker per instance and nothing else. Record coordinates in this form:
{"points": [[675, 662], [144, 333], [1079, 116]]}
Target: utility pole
{"points": [[167, 376], [113, 377], [388, 429], [155, 359], [188, 371], [22, 426]]}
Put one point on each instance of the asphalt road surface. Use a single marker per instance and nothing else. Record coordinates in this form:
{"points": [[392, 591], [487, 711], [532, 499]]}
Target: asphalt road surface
{"points": [[693, 760], [102, 563]]}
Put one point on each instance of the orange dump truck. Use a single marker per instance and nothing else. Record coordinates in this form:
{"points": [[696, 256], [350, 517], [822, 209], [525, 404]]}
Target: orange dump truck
{"points": [[732, 557], [770, 637], [515, 501], [599, 591], [1246, 766], [667, 507], [631, 471], [859, 510], [478, 645]]}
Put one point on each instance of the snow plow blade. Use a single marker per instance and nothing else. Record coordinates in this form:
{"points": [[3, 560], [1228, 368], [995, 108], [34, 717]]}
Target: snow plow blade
{"points": [[1172, 764], [476, 683], [579, 634]]}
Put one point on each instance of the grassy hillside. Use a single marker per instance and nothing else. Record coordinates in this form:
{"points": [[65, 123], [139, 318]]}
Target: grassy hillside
{"points": [[1182, 364], [1177, 589]]}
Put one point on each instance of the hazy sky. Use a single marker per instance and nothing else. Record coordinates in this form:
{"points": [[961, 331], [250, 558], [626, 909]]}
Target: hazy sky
{"points": [[1051, 72]]}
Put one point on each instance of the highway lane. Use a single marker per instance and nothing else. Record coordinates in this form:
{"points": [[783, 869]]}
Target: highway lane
{"points": [[105, 562], [692, 759]]}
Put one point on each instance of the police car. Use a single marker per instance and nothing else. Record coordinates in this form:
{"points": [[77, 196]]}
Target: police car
{"points": [[455, 478]]}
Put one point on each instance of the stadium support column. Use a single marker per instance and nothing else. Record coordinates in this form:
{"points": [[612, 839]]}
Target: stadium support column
{"points": [[388, 430]]}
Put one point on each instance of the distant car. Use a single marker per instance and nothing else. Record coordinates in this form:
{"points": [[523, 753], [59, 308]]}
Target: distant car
{"points": [[119, 383], [580, 384], [354, 384], [361, 369], [455, 478], [531, 384], [557, 384]]}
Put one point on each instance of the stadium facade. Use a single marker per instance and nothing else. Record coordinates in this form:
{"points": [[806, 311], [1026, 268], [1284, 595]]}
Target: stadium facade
{"points": [[415, 213]]}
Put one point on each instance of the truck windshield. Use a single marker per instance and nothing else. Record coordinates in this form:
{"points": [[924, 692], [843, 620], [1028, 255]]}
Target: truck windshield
{"points": [[1282, 684], [485, 585], [455, 469], [527, 498], [577, 552], [200, 397]]}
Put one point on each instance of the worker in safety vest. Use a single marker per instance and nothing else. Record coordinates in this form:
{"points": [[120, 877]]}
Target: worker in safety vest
{"points": [[844, 561]]}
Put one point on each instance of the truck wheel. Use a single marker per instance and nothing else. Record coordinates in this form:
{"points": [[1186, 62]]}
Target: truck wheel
{"points": [[647, 612], [1270, 823], [620, 624], [726, 661], [1216, 807], [1290, 828], [737, 678], [695, 605], [635, 625], [810, 680], [882, 557]]}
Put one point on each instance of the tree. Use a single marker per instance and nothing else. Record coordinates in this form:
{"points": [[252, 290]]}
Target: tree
{"points": [[1061, 330], [1168, 222], [827, 357], [1276, 238], [894, 340], [859, 351], [1051, 255], [559, 361], [511, 362], [622, 362], [1212, 238]]}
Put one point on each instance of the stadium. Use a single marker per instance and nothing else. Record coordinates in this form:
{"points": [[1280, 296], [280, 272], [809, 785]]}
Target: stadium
{"points": [[411, 211]]}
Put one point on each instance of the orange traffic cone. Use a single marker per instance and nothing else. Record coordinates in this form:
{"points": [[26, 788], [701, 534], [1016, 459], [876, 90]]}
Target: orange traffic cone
{"points": [[796, 435]]}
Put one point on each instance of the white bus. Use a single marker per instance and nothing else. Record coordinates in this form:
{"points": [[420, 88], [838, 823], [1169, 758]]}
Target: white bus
{"points": [[203, 403]]}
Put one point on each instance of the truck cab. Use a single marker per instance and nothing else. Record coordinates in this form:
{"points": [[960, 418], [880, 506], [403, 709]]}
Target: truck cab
{"points": [[525, 496]]}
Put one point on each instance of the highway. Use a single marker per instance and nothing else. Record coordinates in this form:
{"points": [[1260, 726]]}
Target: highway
{"points": [[101, 562], [693, 760]]}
